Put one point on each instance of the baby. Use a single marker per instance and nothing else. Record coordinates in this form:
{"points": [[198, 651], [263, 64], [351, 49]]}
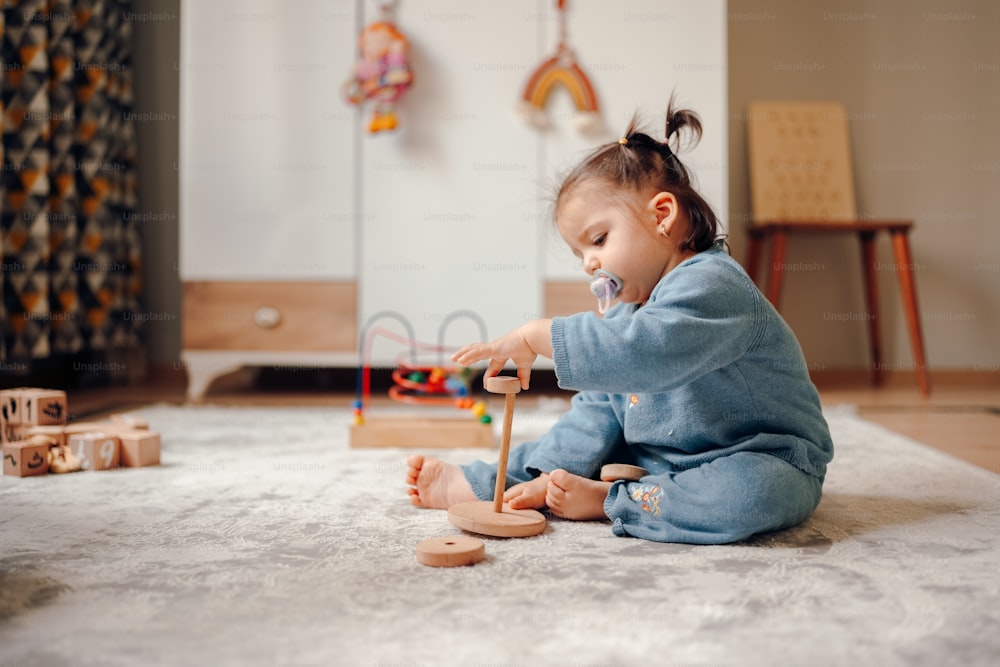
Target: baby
{"points": [[691, 375]]}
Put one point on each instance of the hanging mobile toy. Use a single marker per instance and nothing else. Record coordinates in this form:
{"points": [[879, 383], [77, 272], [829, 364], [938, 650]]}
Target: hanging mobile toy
{"points": [[561, 68], [383, 72]]}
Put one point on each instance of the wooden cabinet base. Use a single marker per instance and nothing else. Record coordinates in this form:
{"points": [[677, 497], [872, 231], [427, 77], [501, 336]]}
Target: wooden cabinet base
{"points": [[204, 366]]}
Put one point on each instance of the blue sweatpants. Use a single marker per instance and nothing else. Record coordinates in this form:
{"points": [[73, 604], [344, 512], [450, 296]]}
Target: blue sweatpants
{"points": [[726, 500]]}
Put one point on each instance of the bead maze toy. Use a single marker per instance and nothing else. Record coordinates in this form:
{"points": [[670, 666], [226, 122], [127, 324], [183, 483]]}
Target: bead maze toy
{"points": [[429, 384]]}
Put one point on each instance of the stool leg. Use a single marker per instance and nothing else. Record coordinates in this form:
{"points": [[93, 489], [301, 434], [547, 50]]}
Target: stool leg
{"points": [[871, 302], [908, 287], [753, 253], [778, 247]]}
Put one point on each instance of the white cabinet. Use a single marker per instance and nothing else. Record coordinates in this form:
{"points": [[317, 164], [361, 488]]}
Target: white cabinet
{"points": [[268, 241], [297, 226]]}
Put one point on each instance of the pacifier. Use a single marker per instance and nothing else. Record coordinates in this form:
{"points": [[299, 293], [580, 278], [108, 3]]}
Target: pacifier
{"points": [[605, 286]]}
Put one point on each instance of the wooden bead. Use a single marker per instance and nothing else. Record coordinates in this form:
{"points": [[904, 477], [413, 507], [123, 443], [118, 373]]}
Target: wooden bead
{"points": [[451, 551]]}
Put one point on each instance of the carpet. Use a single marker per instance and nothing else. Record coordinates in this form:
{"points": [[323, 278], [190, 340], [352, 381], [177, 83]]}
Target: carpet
{"points": [[263, 539]]}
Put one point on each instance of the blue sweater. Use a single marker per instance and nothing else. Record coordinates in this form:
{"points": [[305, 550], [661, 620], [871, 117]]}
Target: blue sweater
{"points": [[704, 369]]}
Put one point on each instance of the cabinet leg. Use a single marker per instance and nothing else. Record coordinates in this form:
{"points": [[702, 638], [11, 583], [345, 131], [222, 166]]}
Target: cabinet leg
{"points": [[202, 368]]}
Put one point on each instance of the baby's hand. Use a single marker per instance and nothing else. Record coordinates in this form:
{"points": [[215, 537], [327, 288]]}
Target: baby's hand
{"points": [[528, 495], [511, 346]]}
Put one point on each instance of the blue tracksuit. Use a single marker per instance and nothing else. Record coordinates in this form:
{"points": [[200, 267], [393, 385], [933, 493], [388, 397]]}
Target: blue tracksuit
{"points": [[706, 387]]}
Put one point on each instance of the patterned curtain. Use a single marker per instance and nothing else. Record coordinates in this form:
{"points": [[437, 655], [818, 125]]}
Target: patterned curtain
{"points": [[70, 243]]}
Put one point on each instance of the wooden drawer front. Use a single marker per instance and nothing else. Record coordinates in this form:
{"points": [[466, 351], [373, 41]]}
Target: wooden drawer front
{"points": [[568, 297], [309, 316]]}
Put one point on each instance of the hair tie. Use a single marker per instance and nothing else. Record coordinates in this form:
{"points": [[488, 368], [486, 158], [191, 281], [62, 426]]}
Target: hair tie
{"points": [[623, 141]]}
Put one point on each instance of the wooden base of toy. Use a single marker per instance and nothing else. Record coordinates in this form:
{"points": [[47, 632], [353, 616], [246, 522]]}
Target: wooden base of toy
{"points": [[451, 551], [421, 432], [615, 471], [478, 516]]}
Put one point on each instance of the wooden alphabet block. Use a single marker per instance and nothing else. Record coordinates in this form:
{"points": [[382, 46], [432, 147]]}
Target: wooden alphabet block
{"points": [[43, 406], [10, 405], [13, 432], [134, 422], [56, 431], [96, 451], [88, 427], [26, 458], [139, 448]]}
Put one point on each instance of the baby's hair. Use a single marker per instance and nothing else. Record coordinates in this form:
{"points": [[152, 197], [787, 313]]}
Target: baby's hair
{"points": [[642, 164]]}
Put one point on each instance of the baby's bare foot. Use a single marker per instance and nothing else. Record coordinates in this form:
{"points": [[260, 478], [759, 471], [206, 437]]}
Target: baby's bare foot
{"points": [[570, 496], [436, 484], [528, 495]]}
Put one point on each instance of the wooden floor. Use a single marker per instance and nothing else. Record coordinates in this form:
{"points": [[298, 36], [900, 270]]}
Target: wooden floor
{"points": [[961, 417]]}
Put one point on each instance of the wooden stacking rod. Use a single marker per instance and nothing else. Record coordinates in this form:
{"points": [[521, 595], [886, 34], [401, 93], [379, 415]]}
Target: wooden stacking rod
{"points": [[497, 518], [509, 387]]}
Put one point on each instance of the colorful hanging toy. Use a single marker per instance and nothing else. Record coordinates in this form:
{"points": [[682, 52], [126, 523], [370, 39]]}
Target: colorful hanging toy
{"points": [[382, 74], [436, 384], [563, 68]]}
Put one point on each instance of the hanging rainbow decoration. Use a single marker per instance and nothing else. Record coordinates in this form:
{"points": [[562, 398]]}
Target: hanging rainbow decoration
{"points": [[561, 68]]}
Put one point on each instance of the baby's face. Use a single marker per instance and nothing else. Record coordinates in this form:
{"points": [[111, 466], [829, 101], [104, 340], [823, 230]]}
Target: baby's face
{"points": [[607, 232]]}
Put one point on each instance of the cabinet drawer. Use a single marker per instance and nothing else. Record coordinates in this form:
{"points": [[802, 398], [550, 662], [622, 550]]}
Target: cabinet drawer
{"points": [[568, 297], [309, 316]]}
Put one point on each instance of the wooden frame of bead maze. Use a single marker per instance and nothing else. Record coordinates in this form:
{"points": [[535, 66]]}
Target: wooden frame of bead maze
{"points": [[441, 387]]}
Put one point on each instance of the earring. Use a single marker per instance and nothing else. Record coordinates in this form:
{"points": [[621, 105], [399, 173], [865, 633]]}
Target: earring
{"points": [[663, 232]]}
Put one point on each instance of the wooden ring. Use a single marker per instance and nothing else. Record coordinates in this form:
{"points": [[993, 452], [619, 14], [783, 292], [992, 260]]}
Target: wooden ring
{"points": [[615, 471], [451, 551], [503, 384]]}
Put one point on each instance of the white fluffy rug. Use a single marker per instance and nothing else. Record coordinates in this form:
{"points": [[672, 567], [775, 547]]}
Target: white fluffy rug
{"points": [[263, 539]]}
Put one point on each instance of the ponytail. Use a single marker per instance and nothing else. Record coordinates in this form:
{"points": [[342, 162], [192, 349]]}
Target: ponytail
{"points": [[640, 163]]}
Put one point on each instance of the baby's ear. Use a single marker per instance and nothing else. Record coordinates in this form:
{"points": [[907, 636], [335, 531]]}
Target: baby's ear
{"points": [[664, 207]]}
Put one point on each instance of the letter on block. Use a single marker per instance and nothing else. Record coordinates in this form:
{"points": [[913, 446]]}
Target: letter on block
{"points": [[25, 458], [43, 406], [139, 448], [10, 405], [96, 451], [14, 432]]}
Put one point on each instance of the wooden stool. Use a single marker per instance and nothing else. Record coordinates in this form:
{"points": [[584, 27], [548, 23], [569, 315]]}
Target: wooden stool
{"points": [[777, 234], [801, 181]]}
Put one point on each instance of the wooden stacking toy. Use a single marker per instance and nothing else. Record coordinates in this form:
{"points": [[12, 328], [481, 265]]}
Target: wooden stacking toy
{"points": [[496, 518]]}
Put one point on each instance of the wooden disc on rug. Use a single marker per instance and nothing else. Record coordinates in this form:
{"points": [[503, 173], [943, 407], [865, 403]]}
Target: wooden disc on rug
{"points": [[477, 516], [451, 551], [615, 471]]}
